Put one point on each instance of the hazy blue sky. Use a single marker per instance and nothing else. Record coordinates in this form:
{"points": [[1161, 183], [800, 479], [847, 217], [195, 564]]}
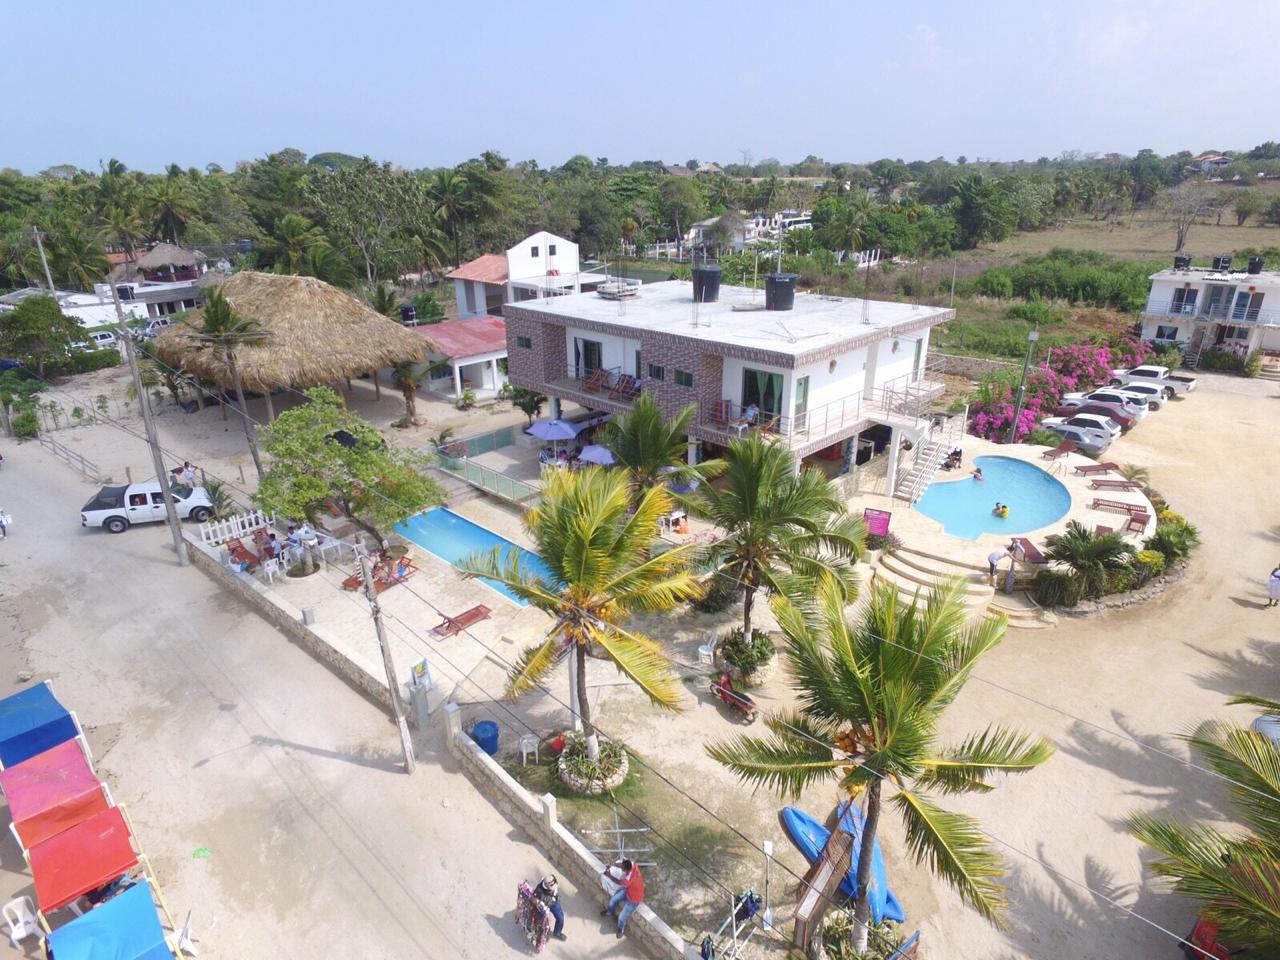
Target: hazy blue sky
{"points": [[429, 83]]}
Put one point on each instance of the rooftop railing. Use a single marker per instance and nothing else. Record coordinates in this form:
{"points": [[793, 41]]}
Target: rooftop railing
{"points": [[1223, 313]]}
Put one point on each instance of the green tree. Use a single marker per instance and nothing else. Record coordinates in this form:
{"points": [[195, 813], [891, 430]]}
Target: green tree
{"points": [[37, 331], [1247, 203], [845, 222], [528, 402], [888, 175], [680, 203], [981, 210], [224, 332], [872, 695], [602, 571], [1233, 875], [651, 447], [373, 484], [785, 529], [76, 258], [168, 206], [1093, 557]]}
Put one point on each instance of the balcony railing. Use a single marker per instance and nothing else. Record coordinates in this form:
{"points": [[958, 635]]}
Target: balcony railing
{"points": [[1223, 313]]}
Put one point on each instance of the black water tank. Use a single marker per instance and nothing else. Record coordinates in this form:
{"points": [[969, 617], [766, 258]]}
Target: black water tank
{"points": [[706, 283], [1222, 264], [1182, 261], [1256, 264], [408, 313], [780, 290]]}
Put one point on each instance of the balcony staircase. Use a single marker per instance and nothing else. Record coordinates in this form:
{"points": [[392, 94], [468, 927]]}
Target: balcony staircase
{"points": [[932, 451]]}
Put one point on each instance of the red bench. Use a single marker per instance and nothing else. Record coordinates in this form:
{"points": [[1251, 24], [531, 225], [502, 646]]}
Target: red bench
{"points": [[1089, 469], [1118, 506], [1099, 484], [451, 626]]}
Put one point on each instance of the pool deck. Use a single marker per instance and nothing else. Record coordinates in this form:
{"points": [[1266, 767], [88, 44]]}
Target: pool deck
{"points": [[927, 535]]}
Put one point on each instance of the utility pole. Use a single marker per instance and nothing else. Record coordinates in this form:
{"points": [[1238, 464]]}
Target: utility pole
{"points": [[157, 459], [952, 301], [1032, 337], [393, 687], [43, 262]]}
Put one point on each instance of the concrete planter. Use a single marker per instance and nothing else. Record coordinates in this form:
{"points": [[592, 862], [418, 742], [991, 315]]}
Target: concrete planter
{"points": [[592, 788]]}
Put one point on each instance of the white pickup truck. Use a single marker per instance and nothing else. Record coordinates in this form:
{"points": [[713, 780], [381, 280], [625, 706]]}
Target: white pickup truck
{"points": [[1171, 383]]}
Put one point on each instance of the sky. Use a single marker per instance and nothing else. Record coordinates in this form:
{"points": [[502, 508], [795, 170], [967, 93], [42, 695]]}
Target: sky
{"points": [[426, 84]]}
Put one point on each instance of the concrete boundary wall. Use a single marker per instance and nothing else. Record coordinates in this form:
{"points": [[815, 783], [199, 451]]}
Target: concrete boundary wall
{"points": [[537, 817]]}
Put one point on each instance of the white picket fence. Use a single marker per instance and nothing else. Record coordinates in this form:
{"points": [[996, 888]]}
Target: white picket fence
{"points": [[214, 533]]}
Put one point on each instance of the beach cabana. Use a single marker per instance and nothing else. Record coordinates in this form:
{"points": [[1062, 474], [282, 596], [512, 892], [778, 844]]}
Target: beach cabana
{"points": [[313, 335], [126, 927], [32, 721], [52, 792]]}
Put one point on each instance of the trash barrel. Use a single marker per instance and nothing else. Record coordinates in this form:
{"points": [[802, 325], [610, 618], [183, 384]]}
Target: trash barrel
{"points": [[485, 733]]}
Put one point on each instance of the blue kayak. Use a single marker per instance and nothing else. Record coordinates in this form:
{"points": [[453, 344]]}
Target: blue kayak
{"points": [[810, 837]]}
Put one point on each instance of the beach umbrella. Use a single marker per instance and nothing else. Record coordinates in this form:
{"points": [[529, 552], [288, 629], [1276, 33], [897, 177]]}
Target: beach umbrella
{"points": [[597, 454], [680, 482], [554, 430]]}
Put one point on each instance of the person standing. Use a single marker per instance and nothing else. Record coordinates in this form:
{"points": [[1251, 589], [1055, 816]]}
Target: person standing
{"points": [[630, 892], [189, 473], [4, 525], [1273, 587], [548, 891], [993, 562]]}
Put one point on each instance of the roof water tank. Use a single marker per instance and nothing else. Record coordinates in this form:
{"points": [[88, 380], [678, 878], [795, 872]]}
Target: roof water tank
{"points": [[706, 283], [780, 290], [408, 313], [1222, 264], [1257, 264], [1182, 261]]}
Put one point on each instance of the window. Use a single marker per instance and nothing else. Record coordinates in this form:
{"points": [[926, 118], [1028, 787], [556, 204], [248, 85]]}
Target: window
{"points": [[762, 390], [533, 252], [1166, 332], [1184, 300], [551, 249], [684, 378], [656, 372], [1247, 306], [137, 499], [587, 357], [157, 499], [469, 293], [524, 343]]}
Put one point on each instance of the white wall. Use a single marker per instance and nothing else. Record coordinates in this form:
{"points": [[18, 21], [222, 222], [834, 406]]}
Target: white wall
{"points": [[522, 264], [479, 292], [829, 386], [616, 353], [893, 366]]}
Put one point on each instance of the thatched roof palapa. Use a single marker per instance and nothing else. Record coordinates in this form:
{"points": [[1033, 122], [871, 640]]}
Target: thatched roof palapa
{"points": [[167, 255], [314, 334]]}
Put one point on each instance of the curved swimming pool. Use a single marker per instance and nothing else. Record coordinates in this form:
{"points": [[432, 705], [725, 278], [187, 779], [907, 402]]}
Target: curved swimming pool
{"points": [[963, 507]]}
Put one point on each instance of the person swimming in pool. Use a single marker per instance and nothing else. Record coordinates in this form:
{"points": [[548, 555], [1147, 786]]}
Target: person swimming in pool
{"points": [[1004, 509], [995, 512], [977, 474]]}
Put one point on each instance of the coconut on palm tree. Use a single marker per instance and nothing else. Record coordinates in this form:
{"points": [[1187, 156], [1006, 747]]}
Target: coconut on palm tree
{"points": [[784, 529], [650, 446], [1235, 875], [224, 331], [872, 693], [601, 572], [1092, 557]]}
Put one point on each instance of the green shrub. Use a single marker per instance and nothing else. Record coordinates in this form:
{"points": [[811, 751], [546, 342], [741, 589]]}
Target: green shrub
{"points": [[1174, 540], [1221, 360], [83, 361], [1040, 437], [16, 387], [1252, 364], [1165, 515], [1121, 579], [26, 425], [1147, 565], [1057, 588], [1168, 355], [837, 938], [721, 593], [1036, 311], [889, 543], [574, 758], [747, 657]]}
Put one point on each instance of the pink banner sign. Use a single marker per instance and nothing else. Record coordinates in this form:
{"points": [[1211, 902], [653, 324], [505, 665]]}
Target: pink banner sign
{"points": [[877, 521]]}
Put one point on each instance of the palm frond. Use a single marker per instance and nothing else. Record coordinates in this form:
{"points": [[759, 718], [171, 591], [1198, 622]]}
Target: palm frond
{"points": [[785, 761], [644, 662], [966, 767], [1252, 763], [1248, 700], [533, 666]]}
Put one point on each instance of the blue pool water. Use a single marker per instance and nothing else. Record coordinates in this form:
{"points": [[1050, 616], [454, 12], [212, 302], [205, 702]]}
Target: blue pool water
{"points": [[451, 537], [963, 507]]}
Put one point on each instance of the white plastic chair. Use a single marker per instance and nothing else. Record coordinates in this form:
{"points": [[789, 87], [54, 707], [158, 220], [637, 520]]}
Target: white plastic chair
{"points": [[271, 567], [528, 745], [707, 654], [20, 915], [187, 940]]}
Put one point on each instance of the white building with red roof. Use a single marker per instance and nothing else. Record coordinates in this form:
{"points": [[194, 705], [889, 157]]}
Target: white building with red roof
{"points": [[472, 351], [539, 266]]}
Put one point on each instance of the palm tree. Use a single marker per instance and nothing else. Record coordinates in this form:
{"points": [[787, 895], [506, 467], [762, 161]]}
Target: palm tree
{"points": [[76, 258], [448, 190], [123, 225], [1235, 876], [295, 237], [872, 694], [652, 447], [224, 331], [1131, 471], [383, 299], [844, 229], [1092, 557], [601, 572], [168, 207], [407, 377], [784, 528]]}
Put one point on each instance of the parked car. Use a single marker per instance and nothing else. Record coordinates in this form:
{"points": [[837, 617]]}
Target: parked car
{"points": [[119, 508], [1125, 417], [1173, 383], [1154, 392], [1088, 443], [1133, 403], [152, 327], [1105, 428]]}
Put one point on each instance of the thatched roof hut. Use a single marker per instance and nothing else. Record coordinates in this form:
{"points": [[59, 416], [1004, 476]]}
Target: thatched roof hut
{"points": [[167, 255], [315, 334]]}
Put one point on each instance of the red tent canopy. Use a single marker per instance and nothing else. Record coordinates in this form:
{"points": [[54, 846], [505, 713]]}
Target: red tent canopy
{"points": [[82, 858], [51, 792]]}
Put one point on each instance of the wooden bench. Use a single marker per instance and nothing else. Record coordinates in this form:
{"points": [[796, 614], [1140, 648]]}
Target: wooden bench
{"points": [[1137, 522], [451, 626], [1099, 484], [1118, 506], [1090, 469], [1030, 553], [1060, 451]]}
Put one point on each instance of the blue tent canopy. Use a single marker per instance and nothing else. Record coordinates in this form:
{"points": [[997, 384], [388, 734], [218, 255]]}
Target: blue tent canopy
{"points": [[126, 927], [32, 722]]}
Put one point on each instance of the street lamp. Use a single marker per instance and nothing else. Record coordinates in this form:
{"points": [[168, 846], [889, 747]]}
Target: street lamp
{"points": [[1032, 337]]}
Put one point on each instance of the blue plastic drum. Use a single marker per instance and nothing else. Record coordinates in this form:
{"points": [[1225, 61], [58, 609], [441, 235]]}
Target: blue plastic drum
{"points": [[485, 733]]}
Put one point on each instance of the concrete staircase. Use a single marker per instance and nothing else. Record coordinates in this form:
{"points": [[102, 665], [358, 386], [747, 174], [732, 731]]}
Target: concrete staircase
{"points": [[456, 491], [912, 483], [911, 571]]}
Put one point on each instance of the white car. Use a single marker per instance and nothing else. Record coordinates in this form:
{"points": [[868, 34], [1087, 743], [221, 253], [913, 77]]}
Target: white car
{"points": [[119, 508], [1172, 383], [152, 327], [97, 340], [1132, 403], [1155, 393], [1104, 427]]}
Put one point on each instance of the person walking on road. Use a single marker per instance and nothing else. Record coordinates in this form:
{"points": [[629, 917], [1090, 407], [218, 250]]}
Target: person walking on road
{"points": [[630, 894], [4, 525], [1273, 587], [548, 891]]}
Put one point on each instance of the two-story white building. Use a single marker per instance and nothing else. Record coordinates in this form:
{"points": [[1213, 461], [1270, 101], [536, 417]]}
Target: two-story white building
{"points": [[812, 373], [539, 266], [1223, 307]]}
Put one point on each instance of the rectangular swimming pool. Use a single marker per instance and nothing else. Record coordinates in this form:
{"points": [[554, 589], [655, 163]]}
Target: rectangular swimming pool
{"points": [[450, 537]]}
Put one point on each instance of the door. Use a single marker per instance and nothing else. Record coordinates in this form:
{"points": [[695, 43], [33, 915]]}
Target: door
{"points": [[802, 403], [1247, 306], [1219, 298], [586, 357], [762, 390], [138, 508], [637, 374]]}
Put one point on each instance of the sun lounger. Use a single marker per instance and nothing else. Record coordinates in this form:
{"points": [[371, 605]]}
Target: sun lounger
{"points": [[1099, 484], [451, 626], [598, 380], [1029, 551], [1090, 469], [723, 411], [1060, 451], [240, 553], [1099, 530], [386, 574], [625, 388], [1118, 506]]}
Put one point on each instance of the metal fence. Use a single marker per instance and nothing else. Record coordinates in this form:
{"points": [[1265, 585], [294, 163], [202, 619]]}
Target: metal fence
{"points": [[86, 466], [491, 481]]}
